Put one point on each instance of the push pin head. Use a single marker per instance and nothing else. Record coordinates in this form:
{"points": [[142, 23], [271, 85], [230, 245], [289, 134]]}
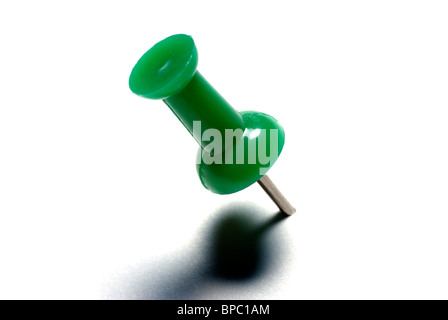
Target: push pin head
{"points": [[165, 69], [237, 148]]}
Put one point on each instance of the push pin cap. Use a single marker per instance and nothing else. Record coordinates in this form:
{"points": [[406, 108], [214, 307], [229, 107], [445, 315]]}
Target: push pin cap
{"points": [[166, 68]]}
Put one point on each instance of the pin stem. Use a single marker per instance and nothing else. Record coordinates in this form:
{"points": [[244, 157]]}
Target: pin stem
{"points": [[276, 196]]}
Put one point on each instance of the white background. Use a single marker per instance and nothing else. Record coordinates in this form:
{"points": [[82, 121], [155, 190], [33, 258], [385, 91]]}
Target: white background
{"points": [[99, 196]]}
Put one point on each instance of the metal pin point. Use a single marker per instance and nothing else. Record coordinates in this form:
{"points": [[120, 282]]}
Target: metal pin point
{"points": [[276, 196]]}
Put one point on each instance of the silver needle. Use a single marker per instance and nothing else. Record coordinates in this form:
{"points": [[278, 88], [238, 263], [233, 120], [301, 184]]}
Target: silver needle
{"points": [[276, 195]]}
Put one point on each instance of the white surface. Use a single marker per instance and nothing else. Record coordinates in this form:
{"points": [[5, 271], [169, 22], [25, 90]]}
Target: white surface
{"points": [[99, 196]]}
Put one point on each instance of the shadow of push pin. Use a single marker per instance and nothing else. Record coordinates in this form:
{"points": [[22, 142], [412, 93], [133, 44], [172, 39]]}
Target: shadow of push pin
{"points": [[234, 145]]}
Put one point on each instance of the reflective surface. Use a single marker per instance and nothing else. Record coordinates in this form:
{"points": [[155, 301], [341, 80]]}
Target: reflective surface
{"points": [[225, 178]]}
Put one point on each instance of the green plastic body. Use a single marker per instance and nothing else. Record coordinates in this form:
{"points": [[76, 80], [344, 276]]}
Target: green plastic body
{"points": [[168, 71], [198, 100]]}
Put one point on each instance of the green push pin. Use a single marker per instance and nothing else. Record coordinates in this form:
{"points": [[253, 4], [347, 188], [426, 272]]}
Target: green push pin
{"points": [[234, 145]]}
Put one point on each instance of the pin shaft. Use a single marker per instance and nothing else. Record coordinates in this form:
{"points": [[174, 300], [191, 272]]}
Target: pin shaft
{"points": [[276, 196]]}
